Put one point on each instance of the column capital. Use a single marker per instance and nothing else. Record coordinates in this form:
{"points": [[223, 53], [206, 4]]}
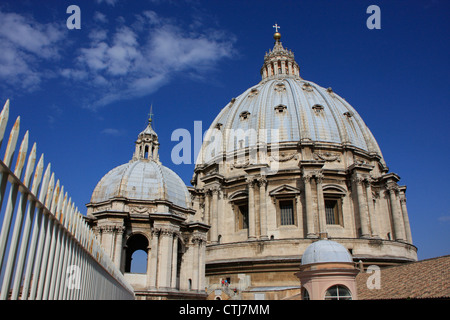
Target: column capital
{"points": [[250, 181], [215, 190], [306, 177], [262, 181], [319, 176], [392, 187], [358, 179]]}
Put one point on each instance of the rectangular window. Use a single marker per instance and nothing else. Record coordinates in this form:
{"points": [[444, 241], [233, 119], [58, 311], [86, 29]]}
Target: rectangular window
{"points": [[332, 211], [286, 212], [243, 216]]}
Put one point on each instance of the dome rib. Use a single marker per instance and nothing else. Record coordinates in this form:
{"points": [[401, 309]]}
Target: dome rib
{"points": [[299, 122], [142, 180]]}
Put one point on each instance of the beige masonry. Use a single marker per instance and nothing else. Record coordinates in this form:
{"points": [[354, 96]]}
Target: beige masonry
{"points": [[165, 228], [263, 220]]}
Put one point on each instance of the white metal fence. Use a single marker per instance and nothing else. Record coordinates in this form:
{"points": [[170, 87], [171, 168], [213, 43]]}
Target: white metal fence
{"points": [[47, 250]]}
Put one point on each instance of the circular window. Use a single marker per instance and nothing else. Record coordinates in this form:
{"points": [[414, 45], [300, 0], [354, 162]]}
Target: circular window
{"points": [[338, 293]]}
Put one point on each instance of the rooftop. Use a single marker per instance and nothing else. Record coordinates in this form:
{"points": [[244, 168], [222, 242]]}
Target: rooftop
{"points": [[428, 278]]}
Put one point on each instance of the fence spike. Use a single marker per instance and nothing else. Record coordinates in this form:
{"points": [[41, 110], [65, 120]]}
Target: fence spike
{"points": [[50, 188], [38, 175], [55, 198], [21, 157], [30, 166], [4, 115], [11, 147], [45, 183]]}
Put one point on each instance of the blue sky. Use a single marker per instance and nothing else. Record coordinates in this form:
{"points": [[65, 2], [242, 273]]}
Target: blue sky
{"points": [[85, 94]]}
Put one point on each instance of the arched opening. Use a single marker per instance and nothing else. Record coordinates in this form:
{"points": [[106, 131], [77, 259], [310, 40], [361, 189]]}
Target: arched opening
{"points": [[180, 253], [305, 294], [136, 254]]}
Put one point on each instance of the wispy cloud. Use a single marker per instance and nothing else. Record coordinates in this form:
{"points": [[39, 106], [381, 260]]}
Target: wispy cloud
{"points": [[115, 61], [27, 43], [136, 60], [109, 2], [112, 132]]}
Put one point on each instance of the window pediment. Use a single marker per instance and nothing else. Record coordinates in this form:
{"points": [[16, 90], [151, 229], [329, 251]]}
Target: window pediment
{"points": [[238, 195], [284, 190]]}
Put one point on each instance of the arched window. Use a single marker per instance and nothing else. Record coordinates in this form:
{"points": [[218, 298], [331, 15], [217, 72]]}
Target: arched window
{"points": [[338, 292], [136, 254]]}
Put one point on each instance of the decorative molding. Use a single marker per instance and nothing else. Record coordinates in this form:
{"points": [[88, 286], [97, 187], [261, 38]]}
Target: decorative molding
{"points": [[240, 165], [110, 229], [140, 209], [327, 156], [282, 157]]}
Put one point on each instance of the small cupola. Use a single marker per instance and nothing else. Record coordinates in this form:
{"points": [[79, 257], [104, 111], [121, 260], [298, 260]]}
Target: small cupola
{"points": [[279, 62], [147, 144]]}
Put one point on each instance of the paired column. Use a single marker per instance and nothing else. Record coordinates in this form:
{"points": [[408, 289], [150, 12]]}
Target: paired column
{"points": [[310, 225], [405, 215], [321, 205], [251, 209], [371, 211], [263, 207], [397, 217], [112, 241], [362, 206], [153, 259], [163, 258], [196, 271], [214, 214]]}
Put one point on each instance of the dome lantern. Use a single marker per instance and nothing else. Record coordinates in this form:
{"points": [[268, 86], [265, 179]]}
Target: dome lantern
{"points": [[147, 144], [279, 62]]}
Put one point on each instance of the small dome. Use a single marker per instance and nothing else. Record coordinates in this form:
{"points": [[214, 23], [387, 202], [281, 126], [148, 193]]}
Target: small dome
{"points": [[142, 180], [326, 251]]}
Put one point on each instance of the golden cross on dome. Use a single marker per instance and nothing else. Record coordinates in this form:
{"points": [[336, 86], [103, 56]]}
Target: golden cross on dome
{"points": [[150, 115], [276, 26]]}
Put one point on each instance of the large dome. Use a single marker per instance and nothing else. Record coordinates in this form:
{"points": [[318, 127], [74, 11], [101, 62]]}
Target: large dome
{"points": [[142, 180], [285, 108]]}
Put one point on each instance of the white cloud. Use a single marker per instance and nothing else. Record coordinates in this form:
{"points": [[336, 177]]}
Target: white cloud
{"points": [[123, 62], [112, 132], [135, 60], [444, 218], [109, 2], [100, 17], [25, 44]]}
